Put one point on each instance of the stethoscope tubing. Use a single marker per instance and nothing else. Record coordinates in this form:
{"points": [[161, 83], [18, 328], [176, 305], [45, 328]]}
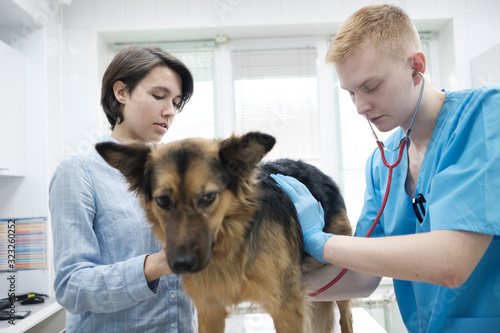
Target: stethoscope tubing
{"points": [[389, 180]]}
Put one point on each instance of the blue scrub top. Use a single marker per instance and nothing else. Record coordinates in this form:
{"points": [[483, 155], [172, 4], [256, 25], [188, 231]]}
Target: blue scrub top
{"points": [[460, 181]]}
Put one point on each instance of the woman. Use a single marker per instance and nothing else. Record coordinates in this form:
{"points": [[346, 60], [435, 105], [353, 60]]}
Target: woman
{"points": [[111, 273]]}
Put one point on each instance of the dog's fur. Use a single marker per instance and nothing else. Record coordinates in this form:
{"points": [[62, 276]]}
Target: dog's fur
{"points": [[229, 229]]}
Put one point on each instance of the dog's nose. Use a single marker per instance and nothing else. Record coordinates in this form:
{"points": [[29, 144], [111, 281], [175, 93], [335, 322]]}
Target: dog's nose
{"points": [[183, 264]]}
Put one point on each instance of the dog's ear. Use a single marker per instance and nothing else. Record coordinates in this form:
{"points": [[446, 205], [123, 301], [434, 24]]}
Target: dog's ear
{"points": [[240, 155], [131, 160]]}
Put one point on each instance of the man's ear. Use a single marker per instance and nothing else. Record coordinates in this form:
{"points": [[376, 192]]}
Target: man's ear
{"points": [[240, 155], [418, 63], [120, 91], [131, 160]]}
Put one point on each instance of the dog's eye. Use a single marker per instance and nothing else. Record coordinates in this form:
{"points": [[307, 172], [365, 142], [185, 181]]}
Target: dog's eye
{"points": [[208, 199], [164, 202]]}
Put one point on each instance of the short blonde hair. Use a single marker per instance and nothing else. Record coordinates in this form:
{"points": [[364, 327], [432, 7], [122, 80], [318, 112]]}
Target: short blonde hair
{"points": [[388, 26]]}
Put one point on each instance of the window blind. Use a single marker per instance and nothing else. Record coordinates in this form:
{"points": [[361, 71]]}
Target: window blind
{"points": [[276, 92]]}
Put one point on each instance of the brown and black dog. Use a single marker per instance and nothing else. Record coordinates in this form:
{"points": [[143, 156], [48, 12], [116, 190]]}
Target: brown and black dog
{"points": [[229, 230]]}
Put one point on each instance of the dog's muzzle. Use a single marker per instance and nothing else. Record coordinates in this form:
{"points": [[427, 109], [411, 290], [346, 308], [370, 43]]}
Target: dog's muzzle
{"points": [[183, 264]]}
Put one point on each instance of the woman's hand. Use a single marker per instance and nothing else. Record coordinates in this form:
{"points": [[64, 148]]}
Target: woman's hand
{"points": [[156, 265]]}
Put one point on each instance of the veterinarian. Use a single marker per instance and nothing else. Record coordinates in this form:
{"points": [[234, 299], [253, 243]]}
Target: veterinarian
{"points": [[438, 236], [111, 274]]}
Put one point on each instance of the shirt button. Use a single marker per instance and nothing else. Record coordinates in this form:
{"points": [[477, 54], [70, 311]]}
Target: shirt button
{"points": [[172, 295], [172, 325]]}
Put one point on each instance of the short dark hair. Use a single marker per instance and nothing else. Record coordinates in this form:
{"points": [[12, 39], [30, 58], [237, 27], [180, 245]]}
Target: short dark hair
{"points": [[130, 66]]}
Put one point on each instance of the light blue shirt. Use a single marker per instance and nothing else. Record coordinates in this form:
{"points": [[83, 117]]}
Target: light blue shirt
{"points": [[460, 181], [101, 239]]}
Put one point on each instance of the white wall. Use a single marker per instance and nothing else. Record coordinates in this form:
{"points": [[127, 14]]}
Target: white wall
{"points": [[37, 35]]}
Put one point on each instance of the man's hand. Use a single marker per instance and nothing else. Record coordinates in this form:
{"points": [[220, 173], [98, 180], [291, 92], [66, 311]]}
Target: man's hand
{"points": [[310, 213]]}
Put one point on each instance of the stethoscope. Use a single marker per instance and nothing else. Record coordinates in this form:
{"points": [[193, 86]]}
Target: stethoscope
{"points": [[381, 147]]}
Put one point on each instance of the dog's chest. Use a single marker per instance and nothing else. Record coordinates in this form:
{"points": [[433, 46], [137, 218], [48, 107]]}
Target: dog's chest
{"points": [[224, 283]]}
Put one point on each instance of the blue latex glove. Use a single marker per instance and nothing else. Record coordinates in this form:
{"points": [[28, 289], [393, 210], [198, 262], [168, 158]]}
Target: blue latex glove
{"points": [[310, 213]]}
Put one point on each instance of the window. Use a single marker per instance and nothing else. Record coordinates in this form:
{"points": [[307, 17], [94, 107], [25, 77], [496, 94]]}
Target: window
{"points": [[276, 92], [264, 85]]}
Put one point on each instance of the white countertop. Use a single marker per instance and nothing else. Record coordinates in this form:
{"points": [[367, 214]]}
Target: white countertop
{"points": [[238, 323], [263, 323], [39, 312]]}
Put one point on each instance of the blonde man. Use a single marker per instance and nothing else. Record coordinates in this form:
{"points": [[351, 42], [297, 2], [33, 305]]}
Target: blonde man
{"points": [[439, 234]]}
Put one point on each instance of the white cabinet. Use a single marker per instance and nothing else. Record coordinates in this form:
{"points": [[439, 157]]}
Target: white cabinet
{"points": [[12, 112]]}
